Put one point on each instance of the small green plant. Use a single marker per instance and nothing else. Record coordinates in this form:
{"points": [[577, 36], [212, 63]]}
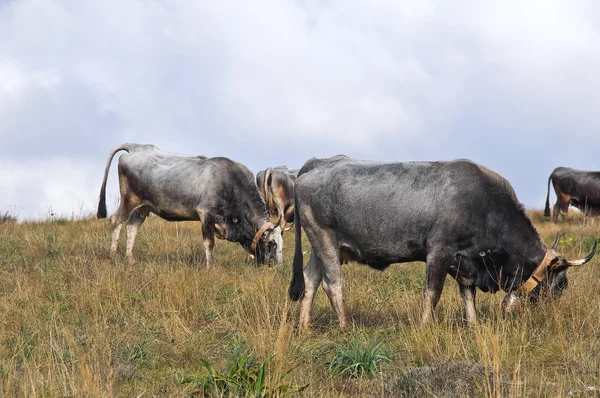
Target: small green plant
{"points": [[566, 241], [137, 353], [589, 242], [358, 358], [245, 378]]}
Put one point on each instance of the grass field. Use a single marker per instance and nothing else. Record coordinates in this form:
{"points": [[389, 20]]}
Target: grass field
{"points": [[74, 323]]}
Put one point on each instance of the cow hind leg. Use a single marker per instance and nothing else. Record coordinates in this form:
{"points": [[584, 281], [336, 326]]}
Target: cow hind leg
{"points": [[436, 271], [117, 220], [561, 205], [128, 203], [134, 223], [560, 208], [325, 249], [116, 232], [333, 288], [313, 275]]}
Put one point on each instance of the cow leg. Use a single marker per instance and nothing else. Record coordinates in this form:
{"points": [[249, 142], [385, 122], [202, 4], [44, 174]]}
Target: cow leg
{"points": [[558, 208], [133, 225], [562, 205], [313, 274], [208, 240], [116, 221], [116, 232], [127, 205], [208, 237], [437, 269], [329, 258], [467, 293], [334, 292]]}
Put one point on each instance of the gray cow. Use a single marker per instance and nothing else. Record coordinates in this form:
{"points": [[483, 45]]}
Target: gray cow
{"points": [[276, 186], [218, 192], [459, 217], [576, 188]]}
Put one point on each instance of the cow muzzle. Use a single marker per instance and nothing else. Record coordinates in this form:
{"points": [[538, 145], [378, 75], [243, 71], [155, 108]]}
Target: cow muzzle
{"points": [[551, 262], [261, 231]]}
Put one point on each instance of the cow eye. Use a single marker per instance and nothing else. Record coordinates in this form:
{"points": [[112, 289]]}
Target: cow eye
{"points": [[235, 220]]}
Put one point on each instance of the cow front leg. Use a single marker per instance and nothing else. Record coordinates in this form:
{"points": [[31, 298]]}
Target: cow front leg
{"points": [[208, 239], [437, 269], [467, 293], [133, 225], [312, 278]]}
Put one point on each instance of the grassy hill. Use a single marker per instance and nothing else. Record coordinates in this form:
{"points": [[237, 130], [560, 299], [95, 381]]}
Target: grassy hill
{"points": [[74, 323]]}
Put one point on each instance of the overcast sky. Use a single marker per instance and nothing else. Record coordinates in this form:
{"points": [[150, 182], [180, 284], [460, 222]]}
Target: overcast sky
{"points": [[514, 85]]}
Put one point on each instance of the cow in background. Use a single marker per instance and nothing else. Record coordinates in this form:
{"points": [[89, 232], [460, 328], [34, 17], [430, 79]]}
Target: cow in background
{"points": [[276, 186], [576, 188]]}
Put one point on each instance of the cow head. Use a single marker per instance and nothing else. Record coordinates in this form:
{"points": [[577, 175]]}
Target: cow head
{"points": [[267, 244], [549, 278]]}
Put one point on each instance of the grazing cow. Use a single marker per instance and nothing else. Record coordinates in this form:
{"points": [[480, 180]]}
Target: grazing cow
{"points": [[276, 186], [576, 188], [218, 192], [459, 217]]}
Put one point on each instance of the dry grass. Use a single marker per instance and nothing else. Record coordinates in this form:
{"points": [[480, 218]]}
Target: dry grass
{"points": [[74, 323]]}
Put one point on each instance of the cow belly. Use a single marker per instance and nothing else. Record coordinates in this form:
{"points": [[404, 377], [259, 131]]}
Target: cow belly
{"points": [[175, 213], [376, 258]]}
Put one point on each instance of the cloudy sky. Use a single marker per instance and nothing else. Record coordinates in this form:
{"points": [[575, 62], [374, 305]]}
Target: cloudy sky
{"points": [[514, 85]]}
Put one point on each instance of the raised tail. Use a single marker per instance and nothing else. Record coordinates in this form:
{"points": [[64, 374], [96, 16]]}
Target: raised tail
{"points": [[297, 285], [102, 200], [547, 209]]}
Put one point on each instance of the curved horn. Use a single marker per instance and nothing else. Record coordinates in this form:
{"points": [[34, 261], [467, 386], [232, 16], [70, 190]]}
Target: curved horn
{"points": [[584, 260], [555, 244], [277, 223]]}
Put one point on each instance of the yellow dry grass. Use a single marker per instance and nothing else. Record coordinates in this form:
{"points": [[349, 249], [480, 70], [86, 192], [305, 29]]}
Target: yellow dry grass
{"points": [[74, 323]]}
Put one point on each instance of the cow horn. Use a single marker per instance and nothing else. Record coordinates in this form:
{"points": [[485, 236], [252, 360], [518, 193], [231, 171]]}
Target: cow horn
{"points": [[277, 223], [555, 244], [583, 260]]}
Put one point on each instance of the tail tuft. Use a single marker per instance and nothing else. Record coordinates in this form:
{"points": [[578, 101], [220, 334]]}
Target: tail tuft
{"points": [[297, 288]]}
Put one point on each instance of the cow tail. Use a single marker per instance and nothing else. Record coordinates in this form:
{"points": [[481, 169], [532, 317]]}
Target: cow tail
{"points": [[547, 209], [102, 200], [297, 286]]}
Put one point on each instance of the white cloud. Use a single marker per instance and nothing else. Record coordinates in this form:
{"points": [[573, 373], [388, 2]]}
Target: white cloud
{"points": [[268, 81]]}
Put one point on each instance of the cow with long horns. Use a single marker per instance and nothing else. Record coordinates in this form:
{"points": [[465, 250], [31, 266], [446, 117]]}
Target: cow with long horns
{"points": [[276, 186], [459, 217], [575, 188], [218, 192]]}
